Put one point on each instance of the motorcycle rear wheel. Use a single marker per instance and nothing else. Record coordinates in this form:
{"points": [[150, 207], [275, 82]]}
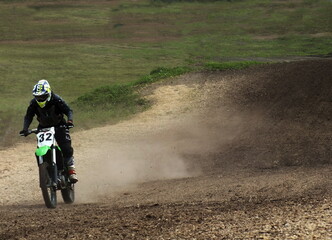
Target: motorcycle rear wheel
{"points": [[68, 194], [48, 190]]}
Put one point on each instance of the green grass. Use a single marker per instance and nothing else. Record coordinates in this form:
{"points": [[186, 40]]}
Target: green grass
{"points": [[220, 66], [109, 103], [87, 45]]}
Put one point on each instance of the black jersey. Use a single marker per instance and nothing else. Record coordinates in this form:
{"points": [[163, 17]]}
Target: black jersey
{"points": [[50, 115]]}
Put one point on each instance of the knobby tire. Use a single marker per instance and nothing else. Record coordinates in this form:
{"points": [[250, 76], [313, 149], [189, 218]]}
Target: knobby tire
{"points": [[68, 194], [48, 191]]}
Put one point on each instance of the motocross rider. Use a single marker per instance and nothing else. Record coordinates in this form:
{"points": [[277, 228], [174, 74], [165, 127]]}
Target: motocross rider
{"points": [[50, 110]]}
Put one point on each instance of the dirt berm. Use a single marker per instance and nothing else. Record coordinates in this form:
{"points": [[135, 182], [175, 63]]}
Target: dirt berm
{"points": [[220, 155]]}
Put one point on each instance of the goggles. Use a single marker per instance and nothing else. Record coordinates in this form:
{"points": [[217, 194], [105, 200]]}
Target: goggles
{"points": [[41, 98]]}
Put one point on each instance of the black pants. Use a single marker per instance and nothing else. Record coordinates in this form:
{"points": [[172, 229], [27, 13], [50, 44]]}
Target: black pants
{"points": [[64, 141]]}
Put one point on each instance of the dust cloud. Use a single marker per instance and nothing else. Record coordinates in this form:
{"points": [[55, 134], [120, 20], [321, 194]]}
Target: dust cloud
{"points": [[171, 140], [121, 162]]}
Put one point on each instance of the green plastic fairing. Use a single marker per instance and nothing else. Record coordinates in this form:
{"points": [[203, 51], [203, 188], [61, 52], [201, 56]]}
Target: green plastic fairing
{"points": [[42, 150]]}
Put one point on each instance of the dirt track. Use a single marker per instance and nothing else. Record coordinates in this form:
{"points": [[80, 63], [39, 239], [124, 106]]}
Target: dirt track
{"points": [[229, 155]]}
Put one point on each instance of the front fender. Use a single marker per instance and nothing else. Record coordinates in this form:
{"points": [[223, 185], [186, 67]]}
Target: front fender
{"points": [[41, 151]]}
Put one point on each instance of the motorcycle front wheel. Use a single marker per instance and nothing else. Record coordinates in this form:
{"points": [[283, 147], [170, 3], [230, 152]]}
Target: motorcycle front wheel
{"points": [[46, 186]]}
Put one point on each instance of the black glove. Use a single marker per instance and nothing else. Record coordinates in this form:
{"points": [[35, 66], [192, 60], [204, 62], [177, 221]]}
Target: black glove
{"points": [[70, 124], [24, 132]]}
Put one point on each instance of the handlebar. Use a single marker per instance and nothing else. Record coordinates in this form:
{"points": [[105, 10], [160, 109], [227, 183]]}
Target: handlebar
{"points": [[30, 131], [37, 130]]}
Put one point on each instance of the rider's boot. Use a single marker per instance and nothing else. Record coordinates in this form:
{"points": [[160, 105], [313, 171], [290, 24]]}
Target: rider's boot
{"points": [[72, 174]]}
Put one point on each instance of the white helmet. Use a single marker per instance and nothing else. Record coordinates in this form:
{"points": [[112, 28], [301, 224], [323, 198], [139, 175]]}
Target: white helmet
{"points": [[42, 92]]}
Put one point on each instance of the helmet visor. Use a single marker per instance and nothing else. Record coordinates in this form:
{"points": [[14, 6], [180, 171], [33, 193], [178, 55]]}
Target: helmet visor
{"points": [[41, 98]]}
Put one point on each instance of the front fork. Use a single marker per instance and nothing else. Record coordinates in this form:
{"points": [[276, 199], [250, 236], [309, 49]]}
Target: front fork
{"points": [[54, 168]]}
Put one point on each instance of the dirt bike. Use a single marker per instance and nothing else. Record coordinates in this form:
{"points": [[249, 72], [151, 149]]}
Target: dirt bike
{"points": [[53, 173]]}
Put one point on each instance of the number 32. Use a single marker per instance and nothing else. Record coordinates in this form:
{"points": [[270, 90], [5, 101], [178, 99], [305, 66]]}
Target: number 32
{"points": [[42, 137]]}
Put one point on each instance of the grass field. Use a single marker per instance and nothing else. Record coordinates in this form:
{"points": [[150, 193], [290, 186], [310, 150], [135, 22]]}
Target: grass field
{"points": [[82, 47]]}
